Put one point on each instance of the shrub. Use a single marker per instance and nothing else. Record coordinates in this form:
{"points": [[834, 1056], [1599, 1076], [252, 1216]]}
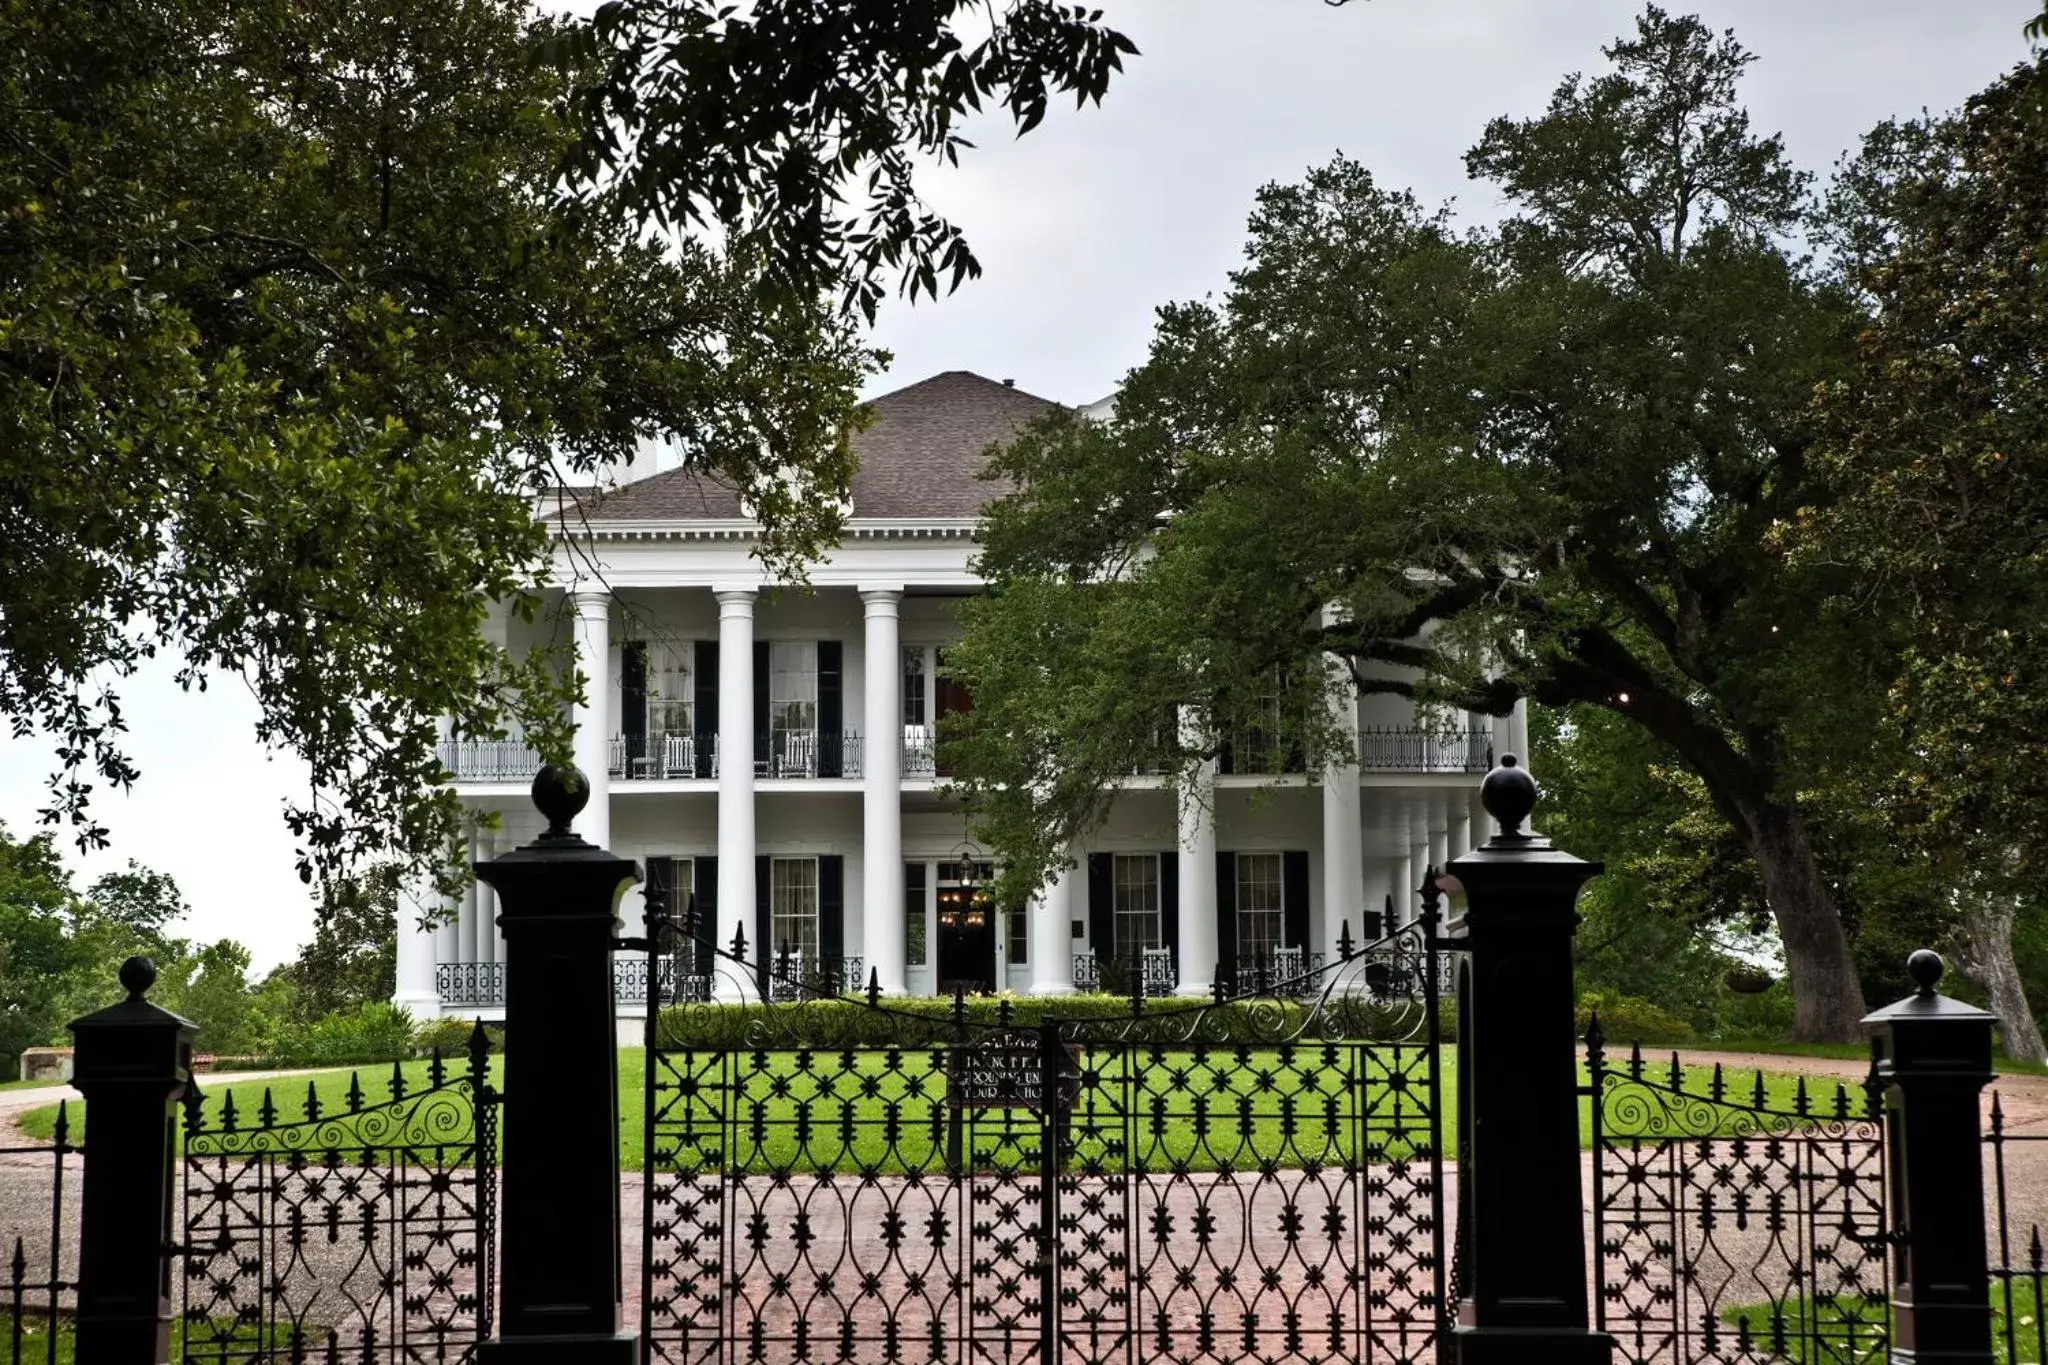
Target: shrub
{"points": [[1762, 1016], [922, 1022], [375, 1032], [1629, 1019], [450, 1034]]}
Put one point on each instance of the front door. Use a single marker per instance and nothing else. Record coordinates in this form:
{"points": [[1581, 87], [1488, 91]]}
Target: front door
{"points": [[967, 932]]}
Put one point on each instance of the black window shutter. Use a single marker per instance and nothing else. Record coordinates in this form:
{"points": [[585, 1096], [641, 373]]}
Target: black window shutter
{"points": [[1169, 904], [1226, 919], [704, 913], [706, 684], [633, 698], [763, 950], [1294, 898], [831, 907], [913, 911], [1101, 907], [760, 703], [660, 877], [831, 710]]}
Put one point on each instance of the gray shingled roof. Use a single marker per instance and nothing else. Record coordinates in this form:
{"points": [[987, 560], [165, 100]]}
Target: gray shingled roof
{"points": [[919, 458]]}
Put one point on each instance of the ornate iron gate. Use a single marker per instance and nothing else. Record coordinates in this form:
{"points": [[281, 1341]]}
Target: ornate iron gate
{"points": [[1736, 1222], [362, 1230], [1258, 1178]]}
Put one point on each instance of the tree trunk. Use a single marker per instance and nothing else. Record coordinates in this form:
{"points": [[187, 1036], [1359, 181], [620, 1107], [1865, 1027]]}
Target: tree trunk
{"points": [[1984, 950], [1827, 998]]}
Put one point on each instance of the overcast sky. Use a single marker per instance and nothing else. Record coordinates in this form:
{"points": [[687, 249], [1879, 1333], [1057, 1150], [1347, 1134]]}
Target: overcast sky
{"points": [[1083, 229]]}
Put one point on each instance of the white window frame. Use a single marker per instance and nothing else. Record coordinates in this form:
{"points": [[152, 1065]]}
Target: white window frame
{"points": [[1129, 879], [793, 908], [1261, 895]]}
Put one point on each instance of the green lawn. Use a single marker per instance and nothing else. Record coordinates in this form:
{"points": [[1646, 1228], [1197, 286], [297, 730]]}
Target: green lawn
{"points": [[1263, 1105], [35, 1345], [29, 1085], [1848, 1052], [1844, 1334]]}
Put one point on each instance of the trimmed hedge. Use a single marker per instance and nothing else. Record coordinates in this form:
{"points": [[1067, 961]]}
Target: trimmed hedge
{"points": [[923, 1022]]}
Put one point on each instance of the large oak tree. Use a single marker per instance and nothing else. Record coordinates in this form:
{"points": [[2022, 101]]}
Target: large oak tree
{"points": [[1540, 459], [304, 302]]}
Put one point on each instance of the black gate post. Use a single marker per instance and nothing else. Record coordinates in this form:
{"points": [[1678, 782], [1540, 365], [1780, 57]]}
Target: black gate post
{"points": [[132, 1063], [1523, 1289], [558, 1220], [1933, 1057]]}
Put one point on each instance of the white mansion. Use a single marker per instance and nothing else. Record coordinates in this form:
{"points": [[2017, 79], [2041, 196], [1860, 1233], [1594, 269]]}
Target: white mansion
{"points": [[771, 752]]}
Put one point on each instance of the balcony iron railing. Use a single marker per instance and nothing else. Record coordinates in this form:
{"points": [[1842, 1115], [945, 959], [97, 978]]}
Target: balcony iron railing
{"points": [[489, 760], [629, 982], [470, 983], [1409, 749], [920, 751], [664, 755], [807, 753], [1112, 975]]}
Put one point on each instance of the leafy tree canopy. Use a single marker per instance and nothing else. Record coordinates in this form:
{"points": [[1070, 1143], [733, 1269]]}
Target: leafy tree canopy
{"points": [[1539, 459], [292, 334]]}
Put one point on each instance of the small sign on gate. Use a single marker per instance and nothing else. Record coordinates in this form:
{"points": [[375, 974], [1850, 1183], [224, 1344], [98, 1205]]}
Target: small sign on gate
{"points": [[1002, 1071]]}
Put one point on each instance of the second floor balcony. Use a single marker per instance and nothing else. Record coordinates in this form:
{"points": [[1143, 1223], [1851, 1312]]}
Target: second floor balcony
{"points": [[796, 754]]}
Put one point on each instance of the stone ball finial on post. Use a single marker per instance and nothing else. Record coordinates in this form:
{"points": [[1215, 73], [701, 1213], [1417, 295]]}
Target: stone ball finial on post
{"points": [[138, 974], [1925, 967], [560, 792], [1509, 795]]}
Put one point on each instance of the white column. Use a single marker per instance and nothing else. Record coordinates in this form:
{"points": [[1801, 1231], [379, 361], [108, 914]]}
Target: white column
{"points": [[1052, 942], [484, 933], [736, 787], [465, 924], [1343, 857], [416, 955], [882, 789], [1406, 879], [1439, 836], [1504, 736], [1379, 886], [1197, 843], [593, 627], [1518, 733], [1461, 825], [1482, 823]]}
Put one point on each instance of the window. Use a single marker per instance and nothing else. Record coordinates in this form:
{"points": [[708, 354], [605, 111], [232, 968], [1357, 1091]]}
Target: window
{"points": [[1137, 903], [1017, 927], [913, 685], [792, 687], [668, 690], [1259, 893], [913, 915], [793, 906]]}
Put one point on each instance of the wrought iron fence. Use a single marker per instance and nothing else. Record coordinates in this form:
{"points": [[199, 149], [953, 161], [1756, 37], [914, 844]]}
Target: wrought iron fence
{"points": [[364, 1229], [39, 1217], [2017, 1261], [1731, 1224], [674, 982], [1409, 749], [1293, 972]]}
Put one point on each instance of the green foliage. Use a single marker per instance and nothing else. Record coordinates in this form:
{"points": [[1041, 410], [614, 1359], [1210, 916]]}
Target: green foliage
{"points": [[451, 1036], [917, 1022], [375, 1032], [353, 958], [1543, 460], [756, 119], [1628, 1019], [293, 331], [38, 956]]}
